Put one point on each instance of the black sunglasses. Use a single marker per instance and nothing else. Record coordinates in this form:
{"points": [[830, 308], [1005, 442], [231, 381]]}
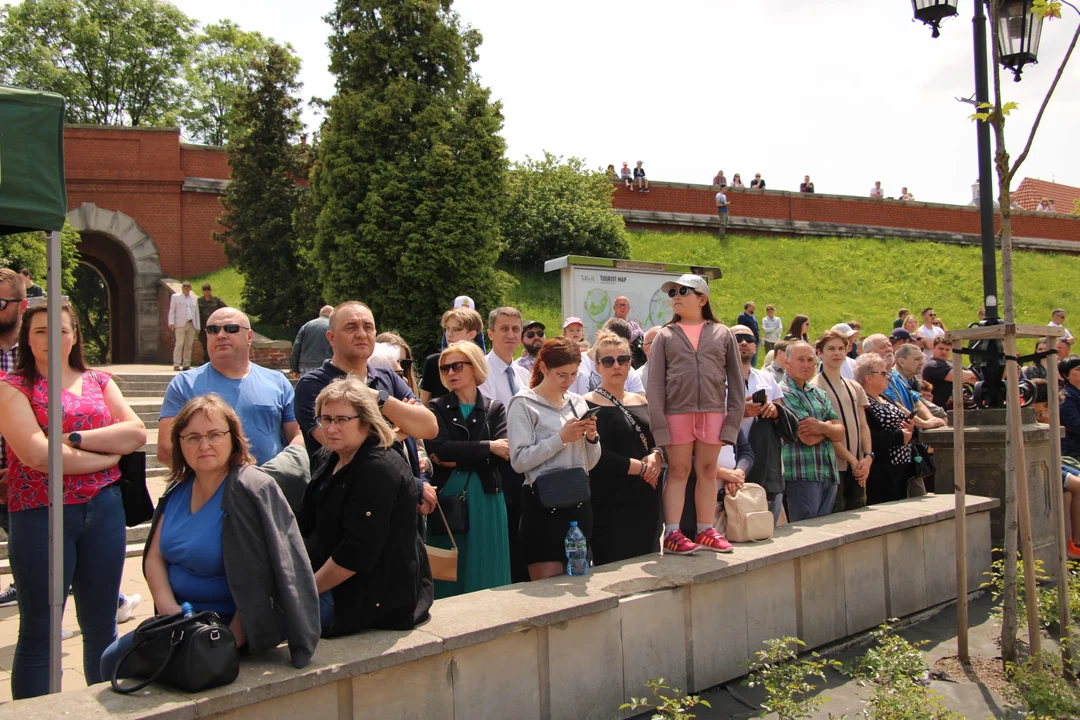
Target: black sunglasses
{"points": [[610, 361], [529, 335], [681, 290], [406, 364], [231, 328], [454, 367], [4, 302], [745, 338]]}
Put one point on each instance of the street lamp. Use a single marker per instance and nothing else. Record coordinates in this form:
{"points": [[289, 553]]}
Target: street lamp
{"points": [[932, 12], [1019, 31]]}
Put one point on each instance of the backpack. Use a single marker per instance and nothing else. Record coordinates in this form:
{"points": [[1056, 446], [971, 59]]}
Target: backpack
{"points": [[748, 516]]}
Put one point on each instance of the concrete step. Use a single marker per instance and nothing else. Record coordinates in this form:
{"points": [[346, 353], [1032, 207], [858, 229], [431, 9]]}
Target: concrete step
{"points": [[143, 388], [147, 408]]}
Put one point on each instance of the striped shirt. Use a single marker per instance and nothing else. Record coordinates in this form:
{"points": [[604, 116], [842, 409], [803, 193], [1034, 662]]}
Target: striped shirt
{"points": [[808, 463]]}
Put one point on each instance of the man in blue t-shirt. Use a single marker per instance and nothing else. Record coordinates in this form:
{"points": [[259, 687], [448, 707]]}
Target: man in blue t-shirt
{"points": [[262, 398]]}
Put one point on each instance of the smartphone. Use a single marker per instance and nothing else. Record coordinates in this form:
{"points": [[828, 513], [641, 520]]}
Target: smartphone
{"points": [[912, 414], [760, 397], [590, 413]]}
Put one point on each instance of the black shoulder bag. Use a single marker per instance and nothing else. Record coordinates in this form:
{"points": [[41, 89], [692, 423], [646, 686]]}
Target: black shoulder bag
{"points": [[187, 653], [567, 487]]}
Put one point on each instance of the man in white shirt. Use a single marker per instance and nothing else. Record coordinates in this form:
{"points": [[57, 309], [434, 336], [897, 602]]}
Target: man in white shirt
{"points": [[1057, 319], [928, 332], [756, 380], [505, 377], [875, 192], [184, 322]]}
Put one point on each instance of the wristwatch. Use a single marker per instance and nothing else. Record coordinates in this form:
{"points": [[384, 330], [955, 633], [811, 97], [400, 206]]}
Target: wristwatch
{"points": [[75, 439], [383, 397]]}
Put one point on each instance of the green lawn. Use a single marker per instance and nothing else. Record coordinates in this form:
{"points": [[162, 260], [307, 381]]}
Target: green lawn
{"points": [[830, 279], [228, 284]]}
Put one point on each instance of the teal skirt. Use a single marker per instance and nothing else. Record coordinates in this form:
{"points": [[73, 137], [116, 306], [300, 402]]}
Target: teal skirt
{"points": [[484, 551]]}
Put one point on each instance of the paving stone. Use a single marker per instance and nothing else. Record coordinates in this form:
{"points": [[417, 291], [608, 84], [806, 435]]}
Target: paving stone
{"points": [[493, 678], [586, 653], [770, 604], [654, 635], [864, 584], [822, 608], [718, 631], [907, 572]]}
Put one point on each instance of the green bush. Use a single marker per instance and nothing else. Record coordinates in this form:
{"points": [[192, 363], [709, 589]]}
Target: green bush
{"points": [[667, 708], [1043, 692], [779, 671], [560, 208], [29, 250]]}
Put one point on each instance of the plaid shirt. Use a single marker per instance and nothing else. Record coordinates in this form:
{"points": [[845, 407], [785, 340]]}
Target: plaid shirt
{"points": [[808, 463], [7, 364]]}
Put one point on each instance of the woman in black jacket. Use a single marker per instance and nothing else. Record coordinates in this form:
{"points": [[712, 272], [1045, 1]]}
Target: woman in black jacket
{"points": [[890, 434], [468, 454], [359, 516]]}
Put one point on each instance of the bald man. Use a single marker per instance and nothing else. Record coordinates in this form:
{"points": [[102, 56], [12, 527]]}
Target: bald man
{"points": [[262, 398], [312, 346]]}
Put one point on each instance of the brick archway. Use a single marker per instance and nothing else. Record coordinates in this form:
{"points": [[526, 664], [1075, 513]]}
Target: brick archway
{"points": [[114, 243]]}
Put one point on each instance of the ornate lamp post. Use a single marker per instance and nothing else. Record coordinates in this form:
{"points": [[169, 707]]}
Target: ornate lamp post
{"points": [[1018, 36]]}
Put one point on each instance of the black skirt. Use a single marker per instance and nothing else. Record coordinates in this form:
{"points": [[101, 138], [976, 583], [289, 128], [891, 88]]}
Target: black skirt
{"points": [[543, 531]]}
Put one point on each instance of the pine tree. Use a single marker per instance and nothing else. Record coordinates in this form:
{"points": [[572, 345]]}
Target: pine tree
{"points": [[259, 202], [411, 173]]}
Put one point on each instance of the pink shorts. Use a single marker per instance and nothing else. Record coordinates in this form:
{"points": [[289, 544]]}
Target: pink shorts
{"points": [[701, 426]]}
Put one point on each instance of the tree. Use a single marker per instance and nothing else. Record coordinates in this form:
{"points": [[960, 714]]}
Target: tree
{"points": [[222, 69], [260, 201], [118, 62], [410, 177], [29, 250], [557, 209]]}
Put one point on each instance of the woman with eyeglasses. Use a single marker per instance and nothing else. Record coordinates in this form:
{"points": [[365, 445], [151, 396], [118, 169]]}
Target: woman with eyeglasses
{"points": [[890, 434], [799, 329], [694, 360], [469, 454], [547, 434], [99, 427], [359, 518], [224, 540], [625, 498]]}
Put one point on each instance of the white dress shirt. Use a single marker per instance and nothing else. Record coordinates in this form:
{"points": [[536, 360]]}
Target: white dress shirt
{"points": [[497, 385]]}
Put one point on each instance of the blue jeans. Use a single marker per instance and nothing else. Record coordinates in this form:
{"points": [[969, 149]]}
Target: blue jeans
{"points": [[326, 611], [112, 655], [808, 500], [94, 540]]}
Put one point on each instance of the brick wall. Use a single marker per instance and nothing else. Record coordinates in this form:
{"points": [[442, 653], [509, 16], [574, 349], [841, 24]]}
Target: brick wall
{"points": [[275, 358]]}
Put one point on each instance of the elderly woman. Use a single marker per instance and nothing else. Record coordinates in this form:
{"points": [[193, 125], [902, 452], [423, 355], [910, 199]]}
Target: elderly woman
{"points": [[546, 433], [224, 539], [890, 434], [99, 427], [469, 452], [359, 517], [625, 499]]}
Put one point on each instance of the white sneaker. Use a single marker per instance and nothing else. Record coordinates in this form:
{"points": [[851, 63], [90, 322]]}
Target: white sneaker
{"points": [[127, 606], [67, 634]]}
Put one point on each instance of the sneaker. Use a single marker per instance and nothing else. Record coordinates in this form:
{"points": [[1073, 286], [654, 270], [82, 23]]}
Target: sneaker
{"points": [[126, 607], [677, 544], [67, 634], [8, 597], [176, 368], [712, 540], [1071, 550]]}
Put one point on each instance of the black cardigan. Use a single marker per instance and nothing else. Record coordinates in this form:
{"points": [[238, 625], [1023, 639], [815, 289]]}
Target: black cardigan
{"points": [[464, 441], [364, 517]]}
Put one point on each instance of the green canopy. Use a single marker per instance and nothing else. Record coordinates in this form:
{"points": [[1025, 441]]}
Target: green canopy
{"points": [[32, 191]]}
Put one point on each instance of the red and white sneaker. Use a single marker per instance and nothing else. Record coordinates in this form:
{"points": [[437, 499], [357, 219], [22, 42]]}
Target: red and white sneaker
{"points": [[677, 544], [1072, 551], [712, 540]]}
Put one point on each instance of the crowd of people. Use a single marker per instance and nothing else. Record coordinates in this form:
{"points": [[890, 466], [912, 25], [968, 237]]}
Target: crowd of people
{"points": [[302, 514]]}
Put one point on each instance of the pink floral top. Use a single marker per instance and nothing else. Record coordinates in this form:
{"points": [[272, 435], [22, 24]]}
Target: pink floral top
{"points": [[29, 488]]}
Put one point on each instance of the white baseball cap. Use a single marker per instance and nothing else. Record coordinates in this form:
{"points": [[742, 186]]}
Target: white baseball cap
{"points": [[694, 282], [464, 301]]}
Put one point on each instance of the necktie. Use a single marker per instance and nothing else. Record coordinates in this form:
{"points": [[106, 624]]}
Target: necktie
{"points": [[510, 377]]}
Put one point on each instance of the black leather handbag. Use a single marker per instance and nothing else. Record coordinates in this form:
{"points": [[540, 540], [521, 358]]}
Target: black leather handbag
{"points": [[455, 514], [187, 653], [138, 507], [561, 489]]}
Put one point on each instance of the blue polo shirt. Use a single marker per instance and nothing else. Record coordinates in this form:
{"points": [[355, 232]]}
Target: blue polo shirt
{"points": [[263, 400], [900, 391]]}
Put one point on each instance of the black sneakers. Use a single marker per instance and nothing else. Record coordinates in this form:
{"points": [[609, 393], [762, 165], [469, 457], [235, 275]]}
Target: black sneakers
{"points": [[9, 597]]}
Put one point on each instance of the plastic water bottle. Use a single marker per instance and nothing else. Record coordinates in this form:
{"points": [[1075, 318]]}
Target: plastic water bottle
{"points": [[187, 610], [577, 551]]}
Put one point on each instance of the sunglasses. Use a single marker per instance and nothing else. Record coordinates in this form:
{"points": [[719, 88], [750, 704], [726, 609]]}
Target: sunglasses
{"points": [[682, 290], [4, 302], [745, 338], [534, 333], [43, 301], [454, 367], [610, 360], [406, 364], [231, 328]]}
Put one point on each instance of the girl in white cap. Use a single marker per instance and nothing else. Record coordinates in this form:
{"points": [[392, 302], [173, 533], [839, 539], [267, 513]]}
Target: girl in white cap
{"points": [[694, 361]]}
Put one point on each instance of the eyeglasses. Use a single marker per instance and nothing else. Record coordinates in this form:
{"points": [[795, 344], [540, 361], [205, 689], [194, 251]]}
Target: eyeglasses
{"points": [[194, 440], [745, 338], [610, 360], [454, 367], [883, 373], [534, 333], [4, 302], [43, 301], [406, 364], [682, 290], [325, 421], [231, 328]]}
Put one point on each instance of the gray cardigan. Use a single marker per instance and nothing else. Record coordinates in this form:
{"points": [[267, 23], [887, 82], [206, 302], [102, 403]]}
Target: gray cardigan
{"points": [[266, 565], [532, 427]]}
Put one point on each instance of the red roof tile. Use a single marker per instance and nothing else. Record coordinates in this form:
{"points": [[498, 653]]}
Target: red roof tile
{"points": [[1032, 190]]}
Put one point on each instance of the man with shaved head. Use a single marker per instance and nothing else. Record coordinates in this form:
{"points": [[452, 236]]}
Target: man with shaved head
{"points": [[262, 398]]}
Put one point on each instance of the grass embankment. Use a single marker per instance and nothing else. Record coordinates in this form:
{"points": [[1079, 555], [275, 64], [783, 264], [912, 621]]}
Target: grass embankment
{"points": [[830, 279]]}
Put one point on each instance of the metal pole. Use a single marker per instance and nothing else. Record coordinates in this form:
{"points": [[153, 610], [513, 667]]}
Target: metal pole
{"points": [[960, 490], [56, 466], [1057, 503], [986, 185]]}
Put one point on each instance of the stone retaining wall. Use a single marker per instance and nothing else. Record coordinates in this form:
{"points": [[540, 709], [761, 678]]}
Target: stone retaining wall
{"points": [[579, 647]]}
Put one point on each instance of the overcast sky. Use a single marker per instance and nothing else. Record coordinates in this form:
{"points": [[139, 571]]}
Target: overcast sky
{"points": [[847, 92]]}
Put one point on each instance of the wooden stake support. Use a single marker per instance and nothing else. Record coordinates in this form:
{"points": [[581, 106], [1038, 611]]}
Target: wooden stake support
{"points": [[1057, 504], [960, 489]]}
